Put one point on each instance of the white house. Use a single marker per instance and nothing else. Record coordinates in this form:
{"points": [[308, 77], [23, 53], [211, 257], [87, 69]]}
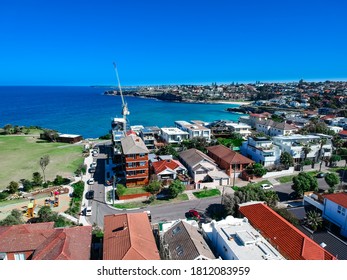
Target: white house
{"points": [[236, 239], [195, 129], [173, 135], [271, 128], [242, 128], [261, 150], [295, 143]]}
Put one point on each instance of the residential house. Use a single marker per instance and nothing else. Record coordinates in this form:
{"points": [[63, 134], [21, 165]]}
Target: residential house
{"points": [[148, 137], [294, 145], [135, 159], [173, 135], [220, 128], [129, 237], [69, 138], [343, 134], [41, 241], [335, 206], [184, 242], [336, 129], [169, 170], [203, 169], [241, 128], [286, 238], [236, 239], [195, 129], [232, 162], [136, 129], [254, 118], [261, 150], [271, 128]]}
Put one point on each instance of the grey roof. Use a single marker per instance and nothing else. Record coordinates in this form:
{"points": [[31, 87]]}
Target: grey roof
{"points": [[133, 144], [193, 156], [186, 243], [278, 125]]}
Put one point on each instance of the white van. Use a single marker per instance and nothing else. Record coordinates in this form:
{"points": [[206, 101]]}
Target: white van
{"points": [[88, 211]]}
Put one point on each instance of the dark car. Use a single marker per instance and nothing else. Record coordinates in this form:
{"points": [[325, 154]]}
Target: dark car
{"points": [[320, 175], [90, 194], [193, 214]]}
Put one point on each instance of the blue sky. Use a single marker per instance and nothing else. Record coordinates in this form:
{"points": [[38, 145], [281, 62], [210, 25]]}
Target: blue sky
{"points": [[171, 42]]}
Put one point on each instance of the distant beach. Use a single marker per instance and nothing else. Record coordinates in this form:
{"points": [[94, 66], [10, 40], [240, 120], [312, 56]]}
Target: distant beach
{"points": [[232, 102]]}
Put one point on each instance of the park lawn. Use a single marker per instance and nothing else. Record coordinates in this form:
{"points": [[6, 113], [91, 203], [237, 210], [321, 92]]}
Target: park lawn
{"points": [[206, 193], [20, 156]]}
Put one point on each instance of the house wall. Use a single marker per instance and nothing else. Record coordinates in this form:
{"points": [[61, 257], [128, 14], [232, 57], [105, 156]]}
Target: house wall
{"points": [[141, 178], [336, 214]]}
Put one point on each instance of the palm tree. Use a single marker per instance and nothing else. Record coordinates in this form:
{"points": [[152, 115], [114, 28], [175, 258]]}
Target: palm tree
{"points": [[322, 142], [314, 220], [306, 149]]}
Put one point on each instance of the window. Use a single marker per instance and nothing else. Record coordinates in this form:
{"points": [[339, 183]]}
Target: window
{"points": [[19, 257], [142, 163], [3, 256], [176, 230], [142, 155]]}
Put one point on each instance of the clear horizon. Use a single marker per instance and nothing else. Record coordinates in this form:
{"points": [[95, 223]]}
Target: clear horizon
{"points": [[74, 43]]}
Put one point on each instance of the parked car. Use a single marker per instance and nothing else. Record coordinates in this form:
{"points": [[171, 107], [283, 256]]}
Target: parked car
{"points": [[90, 194], [321, 175], [266, 186], [91, 181], [193, 214], [88, 211], [93, 165], [92, 170]]}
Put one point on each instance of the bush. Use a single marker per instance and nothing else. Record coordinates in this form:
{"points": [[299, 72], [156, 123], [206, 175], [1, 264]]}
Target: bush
{"points": [[4, 195], [307, 162], [120, 189], [78, 189]]}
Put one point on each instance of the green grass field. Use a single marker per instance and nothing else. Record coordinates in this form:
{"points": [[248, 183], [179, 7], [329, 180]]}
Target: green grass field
{"points": [[20, 156]]}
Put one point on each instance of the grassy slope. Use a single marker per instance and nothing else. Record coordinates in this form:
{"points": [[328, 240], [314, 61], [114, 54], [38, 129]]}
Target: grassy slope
{"points": [[20, 157]]}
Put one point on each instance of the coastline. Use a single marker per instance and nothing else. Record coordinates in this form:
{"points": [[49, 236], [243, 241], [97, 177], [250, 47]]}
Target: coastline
{"points": [[231, 102]]}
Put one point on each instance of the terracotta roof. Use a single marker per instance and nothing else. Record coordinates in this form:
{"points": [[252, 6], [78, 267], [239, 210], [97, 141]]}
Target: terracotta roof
{"points": [[228, 155], [66, 244], [338, 198], [291, 243], [161, 165], [129, 237], [343, 132], [47, 242]]}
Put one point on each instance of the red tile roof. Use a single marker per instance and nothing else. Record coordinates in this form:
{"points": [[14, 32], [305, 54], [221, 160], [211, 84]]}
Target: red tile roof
{"points": [[228, 155], [47, 242], [290, 242], [160, 166], [129, 237], [338, 198], [343, 132]]}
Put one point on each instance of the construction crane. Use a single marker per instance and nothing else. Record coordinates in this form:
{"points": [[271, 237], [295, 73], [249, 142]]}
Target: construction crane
{"points": [[125, 110]]}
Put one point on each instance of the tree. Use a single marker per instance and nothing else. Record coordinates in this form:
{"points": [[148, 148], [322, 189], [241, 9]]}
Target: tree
{"points": [[27, 185], [258, 169], [8, 129], [322, 142], [306, 149], [153, 187], [333, 159], [199, 143], [304, 182], [47, 215], [332, 179], [13, 187], [50, 135], [37, 179], [175, 188], [44, 161], [286, 159], [314, 220], [167, 150], [15, 218]]}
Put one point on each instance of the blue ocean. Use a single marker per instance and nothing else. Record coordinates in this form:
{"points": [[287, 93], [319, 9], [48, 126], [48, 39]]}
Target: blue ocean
{"points": [[88, 112]]}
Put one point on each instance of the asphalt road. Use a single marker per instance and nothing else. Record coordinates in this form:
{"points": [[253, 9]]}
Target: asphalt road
{"points": [[166, 212]]}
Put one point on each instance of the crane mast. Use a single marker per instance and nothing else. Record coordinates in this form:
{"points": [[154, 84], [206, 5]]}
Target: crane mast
{"points": [[125, 110]]}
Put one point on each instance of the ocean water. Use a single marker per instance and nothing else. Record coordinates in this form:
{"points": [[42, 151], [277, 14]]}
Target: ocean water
{"points": [[88, 112]]}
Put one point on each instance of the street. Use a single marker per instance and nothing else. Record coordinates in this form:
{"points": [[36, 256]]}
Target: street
{"points": [[165, 212]]}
